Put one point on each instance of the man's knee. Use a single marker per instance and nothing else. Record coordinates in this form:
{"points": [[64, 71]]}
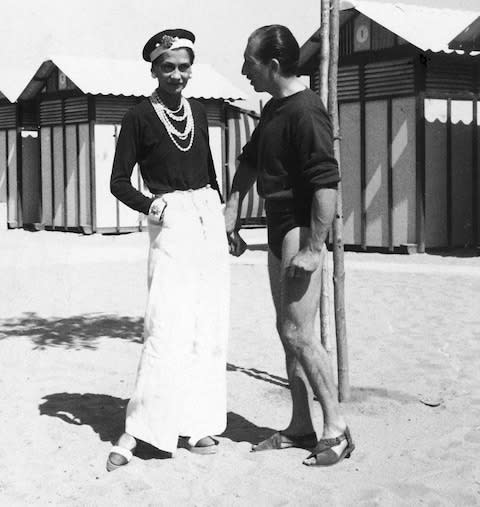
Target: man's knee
{"points": [[296, 337]]}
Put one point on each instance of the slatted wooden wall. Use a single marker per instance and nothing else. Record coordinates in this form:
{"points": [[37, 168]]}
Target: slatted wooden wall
{"points": [[240, 126]]}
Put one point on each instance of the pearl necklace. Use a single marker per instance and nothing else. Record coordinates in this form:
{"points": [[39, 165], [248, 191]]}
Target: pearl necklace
{"points": [[165, 114]]}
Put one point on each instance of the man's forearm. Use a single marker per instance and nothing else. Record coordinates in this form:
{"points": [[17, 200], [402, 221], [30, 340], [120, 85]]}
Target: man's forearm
{"points": [[323, 211], [242, 182]]}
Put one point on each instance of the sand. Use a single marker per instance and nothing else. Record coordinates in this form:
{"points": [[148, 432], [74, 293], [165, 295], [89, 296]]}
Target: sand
{"points": [[70, 339]]}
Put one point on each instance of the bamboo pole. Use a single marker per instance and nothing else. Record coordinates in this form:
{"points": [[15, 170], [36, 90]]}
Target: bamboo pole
{"points": [[323, 91], [338, 246]]}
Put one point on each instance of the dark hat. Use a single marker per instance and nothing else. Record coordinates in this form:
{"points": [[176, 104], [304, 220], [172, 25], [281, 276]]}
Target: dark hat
{"points": [[167, 39]]}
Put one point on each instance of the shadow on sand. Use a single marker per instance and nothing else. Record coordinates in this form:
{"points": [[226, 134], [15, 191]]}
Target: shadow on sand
{"points": [[106, 415], [79, 331]]}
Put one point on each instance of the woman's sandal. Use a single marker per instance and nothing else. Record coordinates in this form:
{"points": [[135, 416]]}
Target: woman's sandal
{"points": [[211, 448], [123, 452], [280, 440], [323, 455]]}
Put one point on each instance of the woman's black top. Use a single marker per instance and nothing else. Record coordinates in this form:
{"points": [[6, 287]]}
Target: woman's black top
{"points": [[164, 168], [292, 148]]}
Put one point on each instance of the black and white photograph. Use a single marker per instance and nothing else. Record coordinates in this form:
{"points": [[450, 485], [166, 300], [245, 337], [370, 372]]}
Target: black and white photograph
{"points": [[240, 253]]}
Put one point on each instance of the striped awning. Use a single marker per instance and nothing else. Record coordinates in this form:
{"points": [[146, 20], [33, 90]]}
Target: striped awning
{"points": [[240, 125]]}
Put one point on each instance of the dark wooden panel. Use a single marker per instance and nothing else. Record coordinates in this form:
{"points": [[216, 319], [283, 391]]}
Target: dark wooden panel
{"points": [[75, 110], [348, 87], [8, 116], [111, 110], [449, 75], [389, 78], [51, 112]]}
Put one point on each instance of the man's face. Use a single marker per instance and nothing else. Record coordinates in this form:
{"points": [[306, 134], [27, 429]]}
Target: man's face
{"points": [[255, 71]]}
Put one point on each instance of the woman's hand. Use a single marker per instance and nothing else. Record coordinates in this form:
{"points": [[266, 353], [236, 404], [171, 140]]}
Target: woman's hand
{"points": [[157, 210]]}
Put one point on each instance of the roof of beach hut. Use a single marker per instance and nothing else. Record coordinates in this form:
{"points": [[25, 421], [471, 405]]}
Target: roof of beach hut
{"points": [[102, 76], [469, 38], [427, 28]]}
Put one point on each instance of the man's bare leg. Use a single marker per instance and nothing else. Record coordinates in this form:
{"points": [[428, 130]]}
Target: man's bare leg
{"points": [[301, 420], [299, 305]]}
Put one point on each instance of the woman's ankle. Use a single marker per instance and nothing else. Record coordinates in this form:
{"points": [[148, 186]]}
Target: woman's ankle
{"points": [[127, 441]]}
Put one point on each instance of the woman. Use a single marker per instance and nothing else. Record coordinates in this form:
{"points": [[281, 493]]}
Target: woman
{"points": [[291, 156], [180, 388]]}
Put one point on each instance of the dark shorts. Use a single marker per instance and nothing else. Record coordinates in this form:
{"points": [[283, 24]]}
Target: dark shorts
{"points": [[283, 216]]}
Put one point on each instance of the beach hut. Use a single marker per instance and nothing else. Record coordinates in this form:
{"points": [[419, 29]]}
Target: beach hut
{"points": [[80, 104], [8, 162], [409, 125], [19, 196]]}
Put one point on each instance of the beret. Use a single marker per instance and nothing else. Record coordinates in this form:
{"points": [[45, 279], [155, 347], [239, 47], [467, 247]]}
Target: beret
{"points": [[165, 40]]}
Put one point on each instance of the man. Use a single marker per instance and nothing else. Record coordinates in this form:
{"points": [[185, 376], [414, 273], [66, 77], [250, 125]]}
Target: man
{"points": [[291, 156]]}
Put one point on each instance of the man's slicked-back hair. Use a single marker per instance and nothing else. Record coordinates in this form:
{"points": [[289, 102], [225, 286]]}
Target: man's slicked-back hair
{"points": [[277, 41]]}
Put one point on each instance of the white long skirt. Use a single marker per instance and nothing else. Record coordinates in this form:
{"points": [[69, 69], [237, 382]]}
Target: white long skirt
{"points": [[181, 380]]}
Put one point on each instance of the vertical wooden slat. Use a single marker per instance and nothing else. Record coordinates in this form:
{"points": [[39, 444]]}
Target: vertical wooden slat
{"points": [[3, 180], [403, 170], [475, 236], [65, 172], [3, 167], [389, 174], [449, 172], [363, 159], [117, 203], [93, 198], [77, 159], [71, 181], [13, 189], [420, 79], [20, 195], [84, 196], [59, 177]]}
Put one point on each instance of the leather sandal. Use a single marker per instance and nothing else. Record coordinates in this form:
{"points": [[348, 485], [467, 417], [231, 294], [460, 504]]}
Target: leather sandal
{"points": [[125, 453], [185, 443], [280, 440], [325, 456]]}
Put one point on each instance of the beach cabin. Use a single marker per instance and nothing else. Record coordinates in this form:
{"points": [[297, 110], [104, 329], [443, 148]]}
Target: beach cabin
{"points": [[409, 126], [19, 183], [79, 105], [8, 162]]}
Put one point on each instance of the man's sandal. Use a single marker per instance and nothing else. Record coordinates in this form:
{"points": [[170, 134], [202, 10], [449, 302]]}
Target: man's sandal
{"points": [[210, 448], [280, 440], [323, 455], [123, 452]]}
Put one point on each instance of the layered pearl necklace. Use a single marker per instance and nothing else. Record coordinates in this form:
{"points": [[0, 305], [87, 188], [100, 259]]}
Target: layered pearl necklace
{"points": [[166, 115]]}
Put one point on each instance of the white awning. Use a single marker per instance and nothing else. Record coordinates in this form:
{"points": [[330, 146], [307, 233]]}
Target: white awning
{"points": [[428, 28]]}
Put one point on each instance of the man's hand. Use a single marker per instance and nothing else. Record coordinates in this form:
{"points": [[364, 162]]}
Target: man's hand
{"points": [[236, 244], [305, 262]]}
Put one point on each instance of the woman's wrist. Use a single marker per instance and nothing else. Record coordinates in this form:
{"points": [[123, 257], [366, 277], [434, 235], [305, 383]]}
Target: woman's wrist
{"points": [[157, 208]]}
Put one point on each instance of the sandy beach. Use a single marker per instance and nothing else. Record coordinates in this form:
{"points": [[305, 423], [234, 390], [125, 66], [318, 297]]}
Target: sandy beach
{"points": [[70, 338]]}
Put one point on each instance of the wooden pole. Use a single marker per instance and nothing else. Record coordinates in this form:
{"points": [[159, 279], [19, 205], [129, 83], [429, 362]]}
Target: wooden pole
{"points": [[338, 246], [323, 92]]}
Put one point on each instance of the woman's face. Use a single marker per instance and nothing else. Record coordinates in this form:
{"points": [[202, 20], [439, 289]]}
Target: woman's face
{"points": [[173, 69]]}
